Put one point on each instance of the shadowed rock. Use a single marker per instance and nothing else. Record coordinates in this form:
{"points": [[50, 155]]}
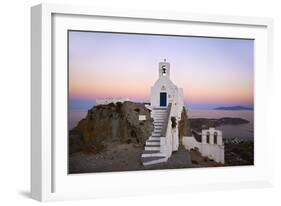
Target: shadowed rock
{"points": [[184, 124], [111, 122]]}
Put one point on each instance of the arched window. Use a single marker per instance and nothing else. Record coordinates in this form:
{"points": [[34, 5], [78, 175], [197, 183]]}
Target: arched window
{"points": [[215, 138], [208, 137]]}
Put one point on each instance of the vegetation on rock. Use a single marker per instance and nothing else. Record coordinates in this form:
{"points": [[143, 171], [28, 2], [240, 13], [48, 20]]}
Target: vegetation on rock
{"points": [[184, 124]]}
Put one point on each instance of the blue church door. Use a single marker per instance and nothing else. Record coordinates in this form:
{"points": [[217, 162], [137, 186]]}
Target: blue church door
{"points": [[163, 99]]}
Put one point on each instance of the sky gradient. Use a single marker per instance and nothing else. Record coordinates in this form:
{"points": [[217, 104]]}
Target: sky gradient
{"points": [[212, 71]]}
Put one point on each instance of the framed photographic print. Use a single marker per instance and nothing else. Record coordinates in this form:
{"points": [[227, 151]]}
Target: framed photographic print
{"points": [[137, 102]]}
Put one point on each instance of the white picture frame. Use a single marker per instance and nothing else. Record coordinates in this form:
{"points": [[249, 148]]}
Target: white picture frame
{"points": [[49, 179]]}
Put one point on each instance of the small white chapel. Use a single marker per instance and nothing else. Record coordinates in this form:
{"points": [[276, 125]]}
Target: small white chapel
{"points": [[165, 92], [166, 102]]}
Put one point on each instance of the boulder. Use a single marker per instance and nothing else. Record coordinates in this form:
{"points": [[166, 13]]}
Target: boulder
{"points": [[115, 122]]}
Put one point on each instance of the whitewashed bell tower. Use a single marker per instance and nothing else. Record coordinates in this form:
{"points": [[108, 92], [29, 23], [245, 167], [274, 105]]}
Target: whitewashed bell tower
{"points": [[164, 91], [164, 69]]}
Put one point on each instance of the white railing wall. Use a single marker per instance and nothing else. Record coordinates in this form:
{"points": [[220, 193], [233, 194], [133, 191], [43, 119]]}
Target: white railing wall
{"points": [[166, 141]]}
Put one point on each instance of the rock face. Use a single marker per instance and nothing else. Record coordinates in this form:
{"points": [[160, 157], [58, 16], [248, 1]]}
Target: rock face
{"points": [[112, 122], [184, 124]]}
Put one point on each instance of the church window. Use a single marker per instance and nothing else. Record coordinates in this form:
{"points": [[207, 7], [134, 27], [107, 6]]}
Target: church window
{"points": [[208, 137], [215, 138]]}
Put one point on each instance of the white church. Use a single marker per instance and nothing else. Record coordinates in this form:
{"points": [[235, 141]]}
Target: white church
{"points": [[166, 103]]}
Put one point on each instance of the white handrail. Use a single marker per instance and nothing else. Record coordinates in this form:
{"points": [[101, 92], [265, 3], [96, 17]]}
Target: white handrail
{"points": [[166, 146]]}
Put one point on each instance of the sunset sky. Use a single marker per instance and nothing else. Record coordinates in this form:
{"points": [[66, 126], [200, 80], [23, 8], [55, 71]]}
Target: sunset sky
{"points": [[212, 71]]}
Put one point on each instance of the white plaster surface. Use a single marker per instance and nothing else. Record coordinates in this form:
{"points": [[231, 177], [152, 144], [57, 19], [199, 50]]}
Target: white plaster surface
{"points": [[210, 150]]}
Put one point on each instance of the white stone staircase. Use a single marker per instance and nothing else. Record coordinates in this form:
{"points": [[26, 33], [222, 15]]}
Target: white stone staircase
{"points": [[152, 154]]}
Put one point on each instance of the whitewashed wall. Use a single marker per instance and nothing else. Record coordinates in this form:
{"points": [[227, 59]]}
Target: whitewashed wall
{"points": [[210, 150], [164, 84]]}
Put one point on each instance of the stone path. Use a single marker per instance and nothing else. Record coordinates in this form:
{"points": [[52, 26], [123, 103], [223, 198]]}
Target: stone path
{"points": [[179, 159]]}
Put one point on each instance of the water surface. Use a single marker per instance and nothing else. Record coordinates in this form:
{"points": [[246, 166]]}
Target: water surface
{"points": [[243, 131]]}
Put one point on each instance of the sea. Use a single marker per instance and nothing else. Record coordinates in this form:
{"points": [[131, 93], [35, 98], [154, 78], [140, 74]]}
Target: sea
{"points": [[242, 132]]}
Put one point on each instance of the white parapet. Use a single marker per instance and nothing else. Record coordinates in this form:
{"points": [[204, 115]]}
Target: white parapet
{"points": [[208, 148], [111, 100], [190, 143]]}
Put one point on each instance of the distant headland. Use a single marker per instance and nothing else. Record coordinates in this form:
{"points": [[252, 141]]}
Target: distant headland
{"points": [[233, 108]]}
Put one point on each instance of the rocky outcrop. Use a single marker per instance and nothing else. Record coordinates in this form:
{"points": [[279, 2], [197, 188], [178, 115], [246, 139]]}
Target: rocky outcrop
{"points": [[113, 122], [184, 124]]}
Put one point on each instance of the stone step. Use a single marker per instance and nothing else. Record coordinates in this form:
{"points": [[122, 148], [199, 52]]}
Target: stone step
{"points": [[160, 121], [159, 118], [157, 127], [152, 154], [153, 160], [149, 140], [153, 143], [158, 134], [157, 130], [159, 108], [152, 148], [158, 113], [155, 138]]}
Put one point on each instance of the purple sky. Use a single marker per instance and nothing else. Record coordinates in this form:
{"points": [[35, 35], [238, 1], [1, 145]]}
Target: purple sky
{"points": [[212, 71]]}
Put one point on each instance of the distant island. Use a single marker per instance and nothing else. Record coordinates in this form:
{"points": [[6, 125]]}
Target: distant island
{"points": [[233, 108], [202, 123]]}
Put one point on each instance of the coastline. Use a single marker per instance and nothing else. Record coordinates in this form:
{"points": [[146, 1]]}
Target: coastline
{"points": [[117, 156]]}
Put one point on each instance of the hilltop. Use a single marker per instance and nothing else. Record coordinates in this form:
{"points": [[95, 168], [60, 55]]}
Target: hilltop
{"points": [[112, 122]]}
